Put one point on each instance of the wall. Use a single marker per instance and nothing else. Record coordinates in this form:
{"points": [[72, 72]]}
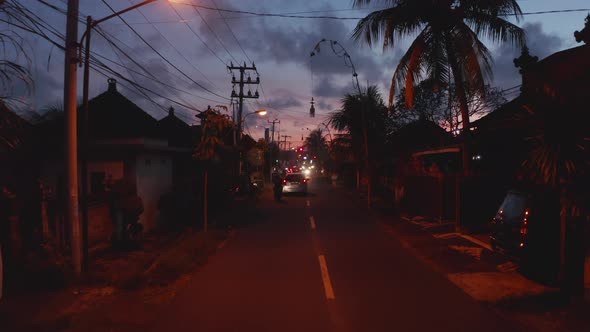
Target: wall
{"points": [[154, 178], [100, 227]]}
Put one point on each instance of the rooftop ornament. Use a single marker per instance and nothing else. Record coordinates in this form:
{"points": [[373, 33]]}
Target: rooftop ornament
{"points": [[525, 59], [584, 35]]}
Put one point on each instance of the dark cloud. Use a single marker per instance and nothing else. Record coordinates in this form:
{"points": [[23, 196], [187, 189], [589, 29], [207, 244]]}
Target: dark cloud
{"points": [[47, 87], [324, 106], [540, 44], [292, 44], [328, 87], [284, 102]]}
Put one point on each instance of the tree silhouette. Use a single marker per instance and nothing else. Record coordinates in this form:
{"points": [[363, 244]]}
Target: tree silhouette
{"points": [[213, 128], [447, 48], [379, 123], [14, 71]]}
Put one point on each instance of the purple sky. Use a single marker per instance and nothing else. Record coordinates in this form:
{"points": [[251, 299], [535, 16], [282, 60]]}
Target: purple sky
{"points": [[200, 43]]}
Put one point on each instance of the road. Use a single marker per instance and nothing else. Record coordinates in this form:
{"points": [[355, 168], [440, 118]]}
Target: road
{"points": [[318, 263]]}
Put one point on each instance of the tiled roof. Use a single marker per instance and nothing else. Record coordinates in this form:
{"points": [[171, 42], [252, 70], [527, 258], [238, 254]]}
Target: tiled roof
{"points": [[178, 132], [112, 115]]}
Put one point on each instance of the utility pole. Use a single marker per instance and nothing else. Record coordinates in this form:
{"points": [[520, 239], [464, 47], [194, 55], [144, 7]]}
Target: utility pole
{"points": [[241, 95], [285, 141], [273, 122], [70, 104], [273, 128]]}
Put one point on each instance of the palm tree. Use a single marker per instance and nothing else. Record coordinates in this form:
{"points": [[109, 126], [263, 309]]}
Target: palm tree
{"points": [[340, 151], [11, 71], [349, 119], [447, 48], [559, 158], [316, 142]]}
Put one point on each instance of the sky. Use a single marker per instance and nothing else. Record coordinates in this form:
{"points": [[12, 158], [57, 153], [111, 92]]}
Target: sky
{"points": [[195, 45]]}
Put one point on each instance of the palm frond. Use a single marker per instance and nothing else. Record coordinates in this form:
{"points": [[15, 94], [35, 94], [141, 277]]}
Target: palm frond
{"points": [[387, 25], [410, 67], [496, 29], [473, 59], [493, 7], [437, 68]]}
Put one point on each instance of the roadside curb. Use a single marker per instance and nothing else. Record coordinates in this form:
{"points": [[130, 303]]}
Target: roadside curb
{"points": [[498, 284]]}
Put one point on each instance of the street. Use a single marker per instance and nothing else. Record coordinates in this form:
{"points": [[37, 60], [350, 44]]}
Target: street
{"points": [[319, 263]]}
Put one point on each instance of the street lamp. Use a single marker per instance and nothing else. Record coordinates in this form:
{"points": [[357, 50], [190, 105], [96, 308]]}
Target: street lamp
{"points": [[90, 23], [243, 119], [240, 122]]}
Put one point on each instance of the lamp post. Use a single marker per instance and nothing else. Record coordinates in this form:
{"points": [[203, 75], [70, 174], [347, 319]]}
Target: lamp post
{"points": [[259, 112], [79, 230], [240, 125], [343, 53]]}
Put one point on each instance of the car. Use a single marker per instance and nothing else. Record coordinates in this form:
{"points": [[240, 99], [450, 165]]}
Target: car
{"points": [[526, 229], [295, 183]]}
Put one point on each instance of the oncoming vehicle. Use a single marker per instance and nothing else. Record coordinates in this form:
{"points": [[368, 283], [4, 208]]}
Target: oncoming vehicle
{"points": [[295, 183]]}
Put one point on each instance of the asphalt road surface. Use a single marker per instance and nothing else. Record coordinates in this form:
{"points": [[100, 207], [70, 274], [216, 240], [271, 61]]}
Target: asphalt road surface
{"points": [[318, 263]]}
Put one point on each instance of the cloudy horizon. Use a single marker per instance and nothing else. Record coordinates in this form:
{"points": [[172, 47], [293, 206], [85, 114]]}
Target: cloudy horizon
{"points": [[201, 42]]}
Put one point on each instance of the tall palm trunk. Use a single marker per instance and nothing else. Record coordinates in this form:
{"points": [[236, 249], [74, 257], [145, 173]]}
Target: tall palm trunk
{"points": [[465, 148], [464, 108]]}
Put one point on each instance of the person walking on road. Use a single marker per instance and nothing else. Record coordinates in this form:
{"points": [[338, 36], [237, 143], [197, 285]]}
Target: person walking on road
{"points": [[277, 186]]}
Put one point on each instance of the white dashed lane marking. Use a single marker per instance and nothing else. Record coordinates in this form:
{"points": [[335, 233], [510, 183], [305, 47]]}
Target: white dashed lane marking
{"points": [[326, 278]]}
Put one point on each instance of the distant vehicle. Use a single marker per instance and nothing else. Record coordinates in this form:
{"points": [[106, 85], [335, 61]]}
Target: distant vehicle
{"points": [[295, 183], [526, 228]]}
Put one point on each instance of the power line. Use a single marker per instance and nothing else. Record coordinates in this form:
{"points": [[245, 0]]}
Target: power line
{"points": [[215, 34], [231, 31], [348, 18], [137, 90], [176, 49], [116, 73], [130, 71], [151, 76], [197, 35], [96, 65], [163, 57], [103, 33]]}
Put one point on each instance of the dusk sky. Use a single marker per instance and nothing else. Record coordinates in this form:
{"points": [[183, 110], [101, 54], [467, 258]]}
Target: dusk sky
{"points": [[199, 43]]}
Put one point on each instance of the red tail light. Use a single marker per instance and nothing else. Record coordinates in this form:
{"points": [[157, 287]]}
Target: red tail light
{"points": [[284, 181], [305, 180]]}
